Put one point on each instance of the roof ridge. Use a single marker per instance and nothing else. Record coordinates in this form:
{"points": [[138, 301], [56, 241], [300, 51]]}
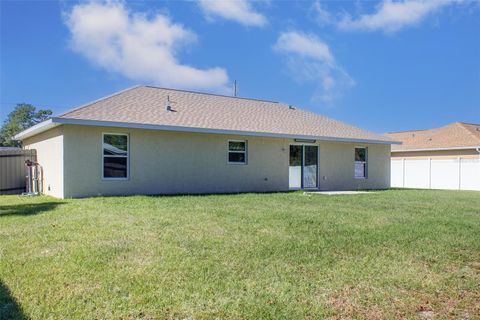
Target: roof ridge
{"points": [[402, 131], [98, 100], [462, 125], [446, 125], [208, 93], [470, 123]]}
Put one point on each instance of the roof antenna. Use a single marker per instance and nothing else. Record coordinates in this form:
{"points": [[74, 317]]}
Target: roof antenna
{"points": [[235, 88]]}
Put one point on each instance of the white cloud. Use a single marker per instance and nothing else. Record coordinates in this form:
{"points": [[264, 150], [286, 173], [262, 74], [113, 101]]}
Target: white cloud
{"points": [[305, 45], [323, 16], [240, 11], [392, 16], [309, 59], [138, 47]]}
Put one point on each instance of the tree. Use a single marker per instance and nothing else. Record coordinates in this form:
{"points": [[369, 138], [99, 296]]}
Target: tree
{"points": [[22, 117]]}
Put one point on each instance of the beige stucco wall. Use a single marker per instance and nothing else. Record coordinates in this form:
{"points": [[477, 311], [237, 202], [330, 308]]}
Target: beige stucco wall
{"points": [[174, 162], [49, 146], [337, 165], [436, 154]]}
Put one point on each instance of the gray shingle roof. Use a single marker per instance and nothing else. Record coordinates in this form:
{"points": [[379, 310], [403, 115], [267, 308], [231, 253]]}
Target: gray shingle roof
{"points": [[146, 105]]}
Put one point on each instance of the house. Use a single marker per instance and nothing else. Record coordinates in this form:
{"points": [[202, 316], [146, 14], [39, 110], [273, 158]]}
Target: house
{"points": [[440, 158], [149, 140]]}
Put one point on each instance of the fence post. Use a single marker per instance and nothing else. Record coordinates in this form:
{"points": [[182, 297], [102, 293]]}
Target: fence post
{"points": [[430, 173], [459, 173]]}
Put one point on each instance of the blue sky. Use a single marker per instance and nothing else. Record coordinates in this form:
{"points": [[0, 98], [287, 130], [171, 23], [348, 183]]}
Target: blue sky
{"points": [[384, 66]]}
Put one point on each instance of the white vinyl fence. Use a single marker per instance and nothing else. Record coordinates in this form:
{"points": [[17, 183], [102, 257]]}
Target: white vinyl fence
{"points": [[454, 174]]}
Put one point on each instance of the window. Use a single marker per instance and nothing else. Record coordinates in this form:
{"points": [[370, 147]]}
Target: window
{"points": [[115, 156], [237, 152], [360, 163]]}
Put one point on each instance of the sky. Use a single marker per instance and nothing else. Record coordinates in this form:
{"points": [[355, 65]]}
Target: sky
{"points": [[383, 66]]}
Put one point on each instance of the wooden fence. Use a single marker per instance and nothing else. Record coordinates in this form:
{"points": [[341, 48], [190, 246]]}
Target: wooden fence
{"points": [[13, 170]]}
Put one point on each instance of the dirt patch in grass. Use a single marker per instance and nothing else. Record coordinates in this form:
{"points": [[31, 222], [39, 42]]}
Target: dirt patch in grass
{"points": [[363, 302]]}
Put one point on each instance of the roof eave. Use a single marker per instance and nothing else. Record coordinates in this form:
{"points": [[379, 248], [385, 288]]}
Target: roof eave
{"points": [[36, 129], [55, 121], [437, 149], [213, 131]]}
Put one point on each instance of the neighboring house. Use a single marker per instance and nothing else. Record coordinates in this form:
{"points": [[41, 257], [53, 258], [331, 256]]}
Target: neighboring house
{"points": [[149, 140], [440, 158]]}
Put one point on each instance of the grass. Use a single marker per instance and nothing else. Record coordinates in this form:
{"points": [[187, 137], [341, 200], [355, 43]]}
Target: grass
{"points": [[390, 254]]}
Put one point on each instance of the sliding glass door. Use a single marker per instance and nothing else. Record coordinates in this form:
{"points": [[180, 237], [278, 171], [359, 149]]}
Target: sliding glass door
{"points": [[310, 166], [303, 169], [295, 169]]}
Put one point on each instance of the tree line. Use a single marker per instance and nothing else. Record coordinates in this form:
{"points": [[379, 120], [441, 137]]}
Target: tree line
{"points": [[22, 117]]}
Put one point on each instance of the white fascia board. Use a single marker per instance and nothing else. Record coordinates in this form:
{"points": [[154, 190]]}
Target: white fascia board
{"points": [[208, 130], [40, 127], [437, 149], [56, 121]]}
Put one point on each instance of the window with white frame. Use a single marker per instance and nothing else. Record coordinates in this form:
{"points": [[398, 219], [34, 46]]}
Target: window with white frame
{"points": [[115, 156], [360, 162], [237, 152]]}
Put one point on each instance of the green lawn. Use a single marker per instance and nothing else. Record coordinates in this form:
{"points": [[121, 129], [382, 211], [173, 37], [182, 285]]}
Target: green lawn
{"points": [[390, 254]]}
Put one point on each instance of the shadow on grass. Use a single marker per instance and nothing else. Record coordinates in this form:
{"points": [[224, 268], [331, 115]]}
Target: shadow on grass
{"points": [[27, 209], [221, 194], [9, 306], [173, 195]]}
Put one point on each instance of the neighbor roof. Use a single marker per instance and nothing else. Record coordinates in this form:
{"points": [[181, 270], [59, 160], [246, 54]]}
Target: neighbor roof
{"points": [[457, 135], [146, 107]]}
